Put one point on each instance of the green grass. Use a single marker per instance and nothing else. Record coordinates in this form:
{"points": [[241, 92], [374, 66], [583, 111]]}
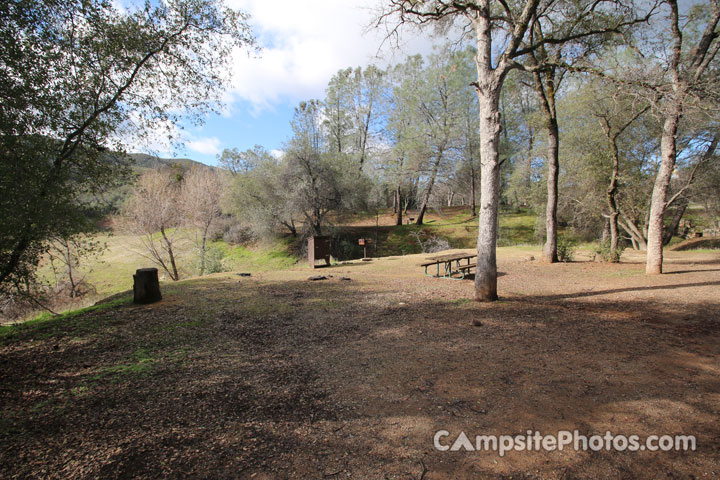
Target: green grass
{"points": [[140, 363], [517, 229], [275, 256], [456, 226]]}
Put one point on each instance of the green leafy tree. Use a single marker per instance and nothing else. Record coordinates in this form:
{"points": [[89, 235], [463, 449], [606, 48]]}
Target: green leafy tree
{"points": [[318, 182], [258, 198], [77, 75]]}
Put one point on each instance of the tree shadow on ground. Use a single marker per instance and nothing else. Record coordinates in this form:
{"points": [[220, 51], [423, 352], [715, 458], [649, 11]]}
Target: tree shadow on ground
{"points": [[624, 290]]}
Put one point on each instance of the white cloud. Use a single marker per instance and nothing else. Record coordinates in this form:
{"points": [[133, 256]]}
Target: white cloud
{"points": [[205, 146], [304, 44], [277, 153]]}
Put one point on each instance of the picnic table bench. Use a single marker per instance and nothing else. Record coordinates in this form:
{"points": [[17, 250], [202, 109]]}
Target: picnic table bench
{"points": [[452, 264]]}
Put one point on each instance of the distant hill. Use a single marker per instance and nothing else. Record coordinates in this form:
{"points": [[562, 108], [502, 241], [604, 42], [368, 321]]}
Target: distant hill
{"points": [[145, 161], [110, 201]]}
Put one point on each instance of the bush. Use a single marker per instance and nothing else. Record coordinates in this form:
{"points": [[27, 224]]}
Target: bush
{"points": [[430, 243], [566, 249], [214, 255], [606, 254], [237, 234]]}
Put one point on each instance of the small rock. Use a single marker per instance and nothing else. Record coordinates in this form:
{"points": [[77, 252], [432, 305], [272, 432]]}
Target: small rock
{"points": [[243, 274], [477, 323], [346, 279], [318, 277]]}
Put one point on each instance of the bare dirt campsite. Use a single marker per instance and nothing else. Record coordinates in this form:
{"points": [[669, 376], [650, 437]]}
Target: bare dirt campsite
{"points": [[276, 376]]}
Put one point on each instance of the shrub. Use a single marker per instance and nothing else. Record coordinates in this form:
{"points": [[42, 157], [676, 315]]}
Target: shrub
{"points": [[214, 255], [607, 254], [237, 234], [566, 249], [430, 243]]}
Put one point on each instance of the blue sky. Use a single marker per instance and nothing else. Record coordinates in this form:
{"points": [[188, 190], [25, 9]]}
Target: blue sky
{"points": [[243, 130], [303, 44]]}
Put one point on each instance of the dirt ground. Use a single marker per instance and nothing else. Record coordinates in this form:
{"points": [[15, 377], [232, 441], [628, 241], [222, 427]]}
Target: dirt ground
{"points": [[276, 376]]}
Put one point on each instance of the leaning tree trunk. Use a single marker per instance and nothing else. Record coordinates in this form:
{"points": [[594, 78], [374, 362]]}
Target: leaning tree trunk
{"points": [[428, 191], [668, 149], [613, 205], [675, 222], [174, 275]]}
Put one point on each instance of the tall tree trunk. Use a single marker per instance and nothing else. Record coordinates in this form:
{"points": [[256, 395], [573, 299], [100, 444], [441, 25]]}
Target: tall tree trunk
{"points": [[398, 200], [668, 148], [549, 253], [488, 88], [545, 90], [486, 276], [203, 249], [612, 204]]}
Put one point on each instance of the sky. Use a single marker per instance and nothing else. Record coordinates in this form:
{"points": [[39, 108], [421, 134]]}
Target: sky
{"points": [[304, 43]]}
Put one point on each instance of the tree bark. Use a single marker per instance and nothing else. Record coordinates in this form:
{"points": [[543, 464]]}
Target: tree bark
{"points": [[549, 253], [488, 88], [168, 245], [203, 249], [606, 232], [473, 204], [675, 223], [668, 148], [547, 102], [398, 201], [634, 233], [428, 191], [612, 204], [486, 276]]}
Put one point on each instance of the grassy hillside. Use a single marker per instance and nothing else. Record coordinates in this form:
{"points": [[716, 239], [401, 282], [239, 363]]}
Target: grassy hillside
{"points": [[145, 161], [453, 224]]}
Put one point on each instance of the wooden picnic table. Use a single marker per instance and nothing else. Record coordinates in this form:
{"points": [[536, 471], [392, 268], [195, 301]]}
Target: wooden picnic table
{"points": [[452, 265]]}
